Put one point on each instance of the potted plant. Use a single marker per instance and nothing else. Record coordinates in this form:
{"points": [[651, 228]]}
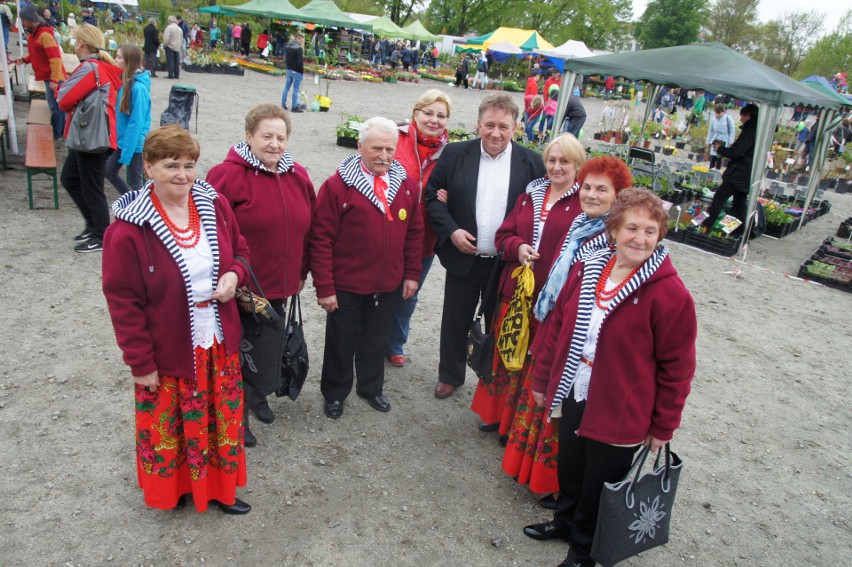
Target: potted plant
{"points": [[347, 132]]}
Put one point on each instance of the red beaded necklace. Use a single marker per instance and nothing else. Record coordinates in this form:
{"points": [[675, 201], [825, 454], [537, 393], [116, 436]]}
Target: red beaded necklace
{"points": [[601, 294], [184, 237]]}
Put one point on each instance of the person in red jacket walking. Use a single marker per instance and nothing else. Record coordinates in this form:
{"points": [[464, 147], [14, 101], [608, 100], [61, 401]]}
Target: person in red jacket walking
{"points": [[83, 173], [366, 247], [274, 201], [45, 56], [616, 365]]}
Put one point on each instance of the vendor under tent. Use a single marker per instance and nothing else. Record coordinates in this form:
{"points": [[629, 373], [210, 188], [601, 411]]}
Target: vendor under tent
{"points": [[326, 13], [385, 27], [416, 31], [278, 9], [526, 40], [716, 68]]}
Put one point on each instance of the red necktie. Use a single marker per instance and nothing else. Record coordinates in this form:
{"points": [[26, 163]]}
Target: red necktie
{"points": [[380, 188]]}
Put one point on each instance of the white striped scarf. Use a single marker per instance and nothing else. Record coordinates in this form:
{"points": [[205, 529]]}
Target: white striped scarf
{"points": [[590, 246], [137, 208], [594, 265], [243, 150], [537, 190], [351, 173]]}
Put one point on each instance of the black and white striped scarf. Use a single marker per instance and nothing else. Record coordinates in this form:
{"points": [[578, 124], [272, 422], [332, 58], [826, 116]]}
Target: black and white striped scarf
{"points": [[537, 191], [351, 173], [137, 208], [243, 150], [594, 265]]}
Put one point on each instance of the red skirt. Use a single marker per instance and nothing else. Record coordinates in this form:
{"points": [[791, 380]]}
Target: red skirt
{"points": [[189, 433], [496, 402], [530, 454]]}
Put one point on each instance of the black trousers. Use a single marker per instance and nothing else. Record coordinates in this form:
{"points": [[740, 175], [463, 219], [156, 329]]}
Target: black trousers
{"points": [[83, 177], [583, 466], [723, 193], [461, 79], [173, 63], [461, 297], [151, 62], [359, 329]]}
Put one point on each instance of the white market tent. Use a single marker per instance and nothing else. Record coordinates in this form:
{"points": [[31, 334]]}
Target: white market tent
{"points": [[567, 50]]}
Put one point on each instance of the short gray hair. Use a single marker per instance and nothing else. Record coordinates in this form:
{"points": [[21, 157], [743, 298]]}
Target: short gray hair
{"points": [[152, 21], [172, 20], [384, 124]]}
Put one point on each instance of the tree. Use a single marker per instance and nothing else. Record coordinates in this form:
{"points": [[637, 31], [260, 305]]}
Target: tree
{"points": [[732, 22], [782, 44], [666, 23], [594, 22], [831, 53]]}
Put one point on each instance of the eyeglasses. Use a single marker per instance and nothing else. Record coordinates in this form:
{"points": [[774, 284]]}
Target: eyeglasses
{"points": [[430, 114]]}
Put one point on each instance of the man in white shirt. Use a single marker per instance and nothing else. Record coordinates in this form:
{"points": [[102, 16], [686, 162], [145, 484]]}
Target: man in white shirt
{"points": [[482, 178]]}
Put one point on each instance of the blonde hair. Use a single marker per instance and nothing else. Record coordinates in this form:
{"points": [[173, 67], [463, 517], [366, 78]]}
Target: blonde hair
{"points": [[570, 147], [93, 39], [430, 96]]}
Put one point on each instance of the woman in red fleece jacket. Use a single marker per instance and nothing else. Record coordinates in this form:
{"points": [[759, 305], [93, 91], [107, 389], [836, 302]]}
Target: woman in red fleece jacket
{"points": [[169, 277], [83, 173], [274, 201], [366, 247], [616, 365]]}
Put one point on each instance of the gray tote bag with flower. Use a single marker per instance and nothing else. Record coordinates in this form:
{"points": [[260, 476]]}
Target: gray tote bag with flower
{"points": [[89, 128]]}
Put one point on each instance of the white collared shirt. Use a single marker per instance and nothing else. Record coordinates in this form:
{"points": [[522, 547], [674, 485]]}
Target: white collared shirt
{"points": [[492, 195]]}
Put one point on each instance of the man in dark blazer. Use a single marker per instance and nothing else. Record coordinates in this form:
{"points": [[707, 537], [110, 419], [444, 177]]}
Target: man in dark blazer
{"points": [[479, 180]]}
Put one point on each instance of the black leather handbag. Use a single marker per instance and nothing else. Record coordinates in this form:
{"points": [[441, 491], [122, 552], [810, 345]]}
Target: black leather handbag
{"points": [[294, 359], [480, 342], [262, 343]]}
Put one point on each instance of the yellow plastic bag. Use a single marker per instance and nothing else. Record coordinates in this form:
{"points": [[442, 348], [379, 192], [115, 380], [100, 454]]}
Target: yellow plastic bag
{"points": [[513, 340]]}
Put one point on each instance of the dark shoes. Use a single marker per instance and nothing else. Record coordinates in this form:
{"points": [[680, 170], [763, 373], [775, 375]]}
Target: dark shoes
{"points": [[91, 244], [181, 503], [489, 427], [548, 502], [85, 235], [296, 109], [249, 439], [378, 403], [262, 411], [333, 409], [544, 532], [238, 507], [443, 391]]}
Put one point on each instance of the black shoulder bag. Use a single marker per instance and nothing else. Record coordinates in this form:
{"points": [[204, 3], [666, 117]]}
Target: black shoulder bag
{"points": [[480, 344], [294, 361]]}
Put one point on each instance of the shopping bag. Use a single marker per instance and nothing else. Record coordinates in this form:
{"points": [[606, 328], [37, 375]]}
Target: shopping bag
{"points": [[514, 337]]}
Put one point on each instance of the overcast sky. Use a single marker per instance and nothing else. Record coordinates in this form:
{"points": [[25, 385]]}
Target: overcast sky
{"points": [[774, 9]]}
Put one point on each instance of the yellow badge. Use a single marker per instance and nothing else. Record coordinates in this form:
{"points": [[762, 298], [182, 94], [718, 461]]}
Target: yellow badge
{"points": [[402, 214]]}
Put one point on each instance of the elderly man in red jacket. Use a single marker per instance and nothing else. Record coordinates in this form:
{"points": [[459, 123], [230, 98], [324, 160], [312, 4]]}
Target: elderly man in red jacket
{"points": [[45, 56], [366, 243]]}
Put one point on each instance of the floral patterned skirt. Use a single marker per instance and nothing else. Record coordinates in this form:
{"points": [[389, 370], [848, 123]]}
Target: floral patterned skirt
{"points": [[189, 433], [530, 454]]}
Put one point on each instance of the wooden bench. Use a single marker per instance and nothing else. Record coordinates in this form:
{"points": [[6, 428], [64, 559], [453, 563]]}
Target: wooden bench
{"points": [[39, 112], [3, 145], [41, 158], [35, 88], [70, 61]]}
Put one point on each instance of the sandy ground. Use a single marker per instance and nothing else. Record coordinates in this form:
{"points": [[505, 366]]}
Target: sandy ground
{"points": [[765, 434]]}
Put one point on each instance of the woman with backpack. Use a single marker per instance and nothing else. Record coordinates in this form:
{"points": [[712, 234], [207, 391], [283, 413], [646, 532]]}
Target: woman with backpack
{"points": [[133, 119], [83, 172]]}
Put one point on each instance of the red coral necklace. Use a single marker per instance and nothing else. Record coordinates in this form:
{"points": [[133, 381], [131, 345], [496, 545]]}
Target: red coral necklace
{"points": [[184, 237], [602, 296]]}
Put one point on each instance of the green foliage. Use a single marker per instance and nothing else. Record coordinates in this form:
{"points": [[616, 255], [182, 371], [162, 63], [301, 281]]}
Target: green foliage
{"points": [[343, 130], [831, 53], [666, 23], [782, 44], [732, 22]]}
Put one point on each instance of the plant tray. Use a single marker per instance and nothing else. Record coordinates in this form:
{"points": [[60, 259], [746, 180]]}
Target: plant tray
{"points": [[676, 236], [826, 281], [845, 228], [726, 247], [347, 142], [779, 230]]}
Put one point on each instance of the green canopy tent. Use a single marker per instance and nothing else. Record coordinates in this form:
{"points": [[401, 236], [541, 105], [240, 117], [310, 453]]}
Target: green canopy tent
{"points": [[218, 9], [326, 13], [716, 68], [418, 32], [278, 9], [385, 27]]}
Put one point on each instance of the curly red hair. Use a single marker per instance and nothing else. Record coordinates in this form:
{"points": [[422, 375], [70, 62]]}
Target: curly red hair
{"points": [[612, 167], [635, 198]]}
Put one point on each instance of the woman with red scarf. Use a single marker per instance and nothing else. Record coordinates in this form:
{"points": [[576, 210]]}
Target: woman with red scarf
{"points": [[420, 144]]}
